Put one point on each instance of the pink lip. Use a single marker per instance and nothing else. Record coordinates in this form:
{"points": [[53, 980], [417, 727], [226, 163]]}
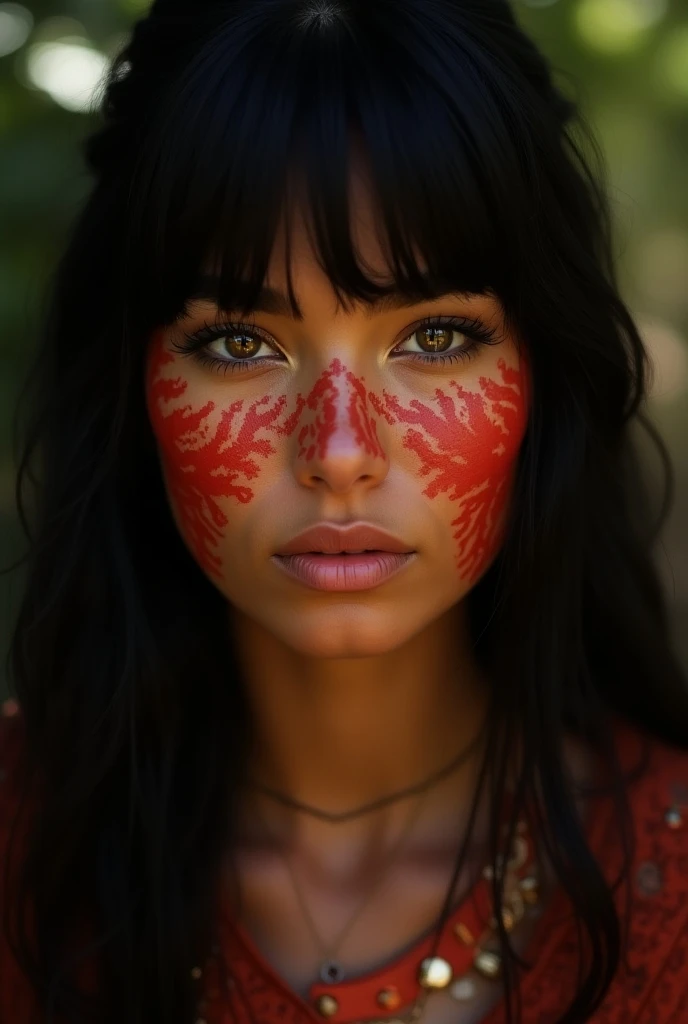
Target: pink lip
{"points": [[344, 572], [331, 539]]}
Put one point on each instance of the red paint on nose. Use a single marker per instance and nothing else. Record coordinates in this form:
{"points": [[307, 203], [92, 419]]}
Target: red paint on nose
{"points": [[316, 415]]}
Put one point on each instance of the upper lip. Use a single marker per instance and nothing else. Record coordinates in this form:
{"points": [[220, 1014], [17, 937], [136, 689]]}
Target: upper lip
{"points": [[329, 539]]}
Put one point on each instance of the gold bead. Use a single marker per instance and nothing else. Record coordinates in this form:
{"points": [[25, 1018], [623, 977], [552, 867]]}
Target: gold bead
{"points": [[530, 889], [434, 972], [389, 998], [464, 934], [508, 919], [519, 853], [488, 963], [517, 905], [488, 870], [196, 972], [327, 1006]]}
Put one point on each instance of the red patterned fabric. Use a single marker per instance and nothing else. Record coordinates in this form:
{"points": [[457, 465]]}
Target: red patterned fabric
{"points": [[653, 991]]}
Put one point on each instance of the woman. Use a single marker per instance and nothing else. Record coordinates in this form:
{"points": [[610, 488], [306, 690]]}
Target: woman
{"points": [[343, 683]]}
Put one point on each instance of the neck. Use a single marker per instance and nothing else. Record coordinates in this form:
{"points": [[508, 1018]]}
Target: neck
{"points": [[339, 733]]}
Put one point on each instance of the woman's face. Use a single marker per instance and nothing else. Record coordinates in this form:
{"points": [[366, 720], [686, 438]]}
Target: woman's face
{"points": [[334, 418]]}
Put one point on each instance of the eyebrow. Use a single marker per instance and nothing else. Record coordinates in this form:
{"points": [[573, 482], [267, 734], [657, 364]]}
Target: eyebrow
{"points": [[271, 300]]}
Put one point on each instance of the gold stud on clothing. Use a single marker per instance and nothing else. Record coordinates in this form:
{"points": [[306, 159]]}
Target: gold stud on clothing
{"points": [[464, 934], [649, 879], [508, 919], [673, 817], [488, 963], [463, 990], [434, 972], [530, 889], [389, 998], [520, 853], [327, 1006], [517, 906], [196, 973]]}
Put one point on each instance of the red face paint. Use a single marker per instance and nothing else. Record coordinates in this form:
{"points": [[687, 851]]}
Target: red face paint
{"points": [[467, 445], [314, 435], [203, 466]]}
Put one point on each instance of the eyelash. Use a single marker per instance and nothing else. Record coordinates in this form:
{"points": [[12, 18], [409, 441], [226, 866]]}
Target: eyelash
{"points": [[194, 344]]}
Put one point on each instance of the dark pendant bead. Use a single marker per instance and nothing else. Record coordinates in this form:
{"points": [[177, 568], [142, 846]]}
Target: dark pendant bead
{"points": [[331, 972]]}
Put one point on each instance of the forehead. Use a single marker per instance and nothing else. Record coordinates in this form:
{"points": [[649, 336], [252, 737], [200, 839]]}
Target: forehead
{"points": [[332, 250], [294, 259], [361, 219]]}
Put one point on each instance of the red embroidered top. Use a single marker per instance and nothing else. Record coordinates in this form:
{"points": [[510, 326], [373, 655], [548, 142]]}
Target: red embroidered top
{"points": [[653, 991]]}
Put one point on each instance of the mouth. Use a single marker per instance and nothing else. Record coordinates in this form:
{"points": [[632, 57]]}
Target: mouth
{"points": [[332, 539], [363, 569], [358, 551]]}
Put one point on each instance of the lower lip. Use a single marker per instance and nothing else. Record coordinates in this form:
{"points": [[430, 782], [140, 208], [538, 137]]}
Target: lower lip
{"points": [[344, 572]]}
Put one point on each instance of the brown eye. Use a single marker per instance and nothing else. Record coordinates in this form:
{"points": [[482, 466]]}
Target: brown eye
{"points": [[434, 339], [241, 346]]}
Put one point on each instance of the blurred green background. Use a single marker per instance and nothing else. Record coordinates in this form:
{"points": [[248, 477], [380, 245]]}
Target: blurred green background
{"points": [[625, 60]]}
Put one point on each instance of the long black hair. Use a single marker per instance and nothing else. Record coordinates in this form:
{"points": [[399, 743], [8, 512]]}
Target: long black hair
{"points": [[135, 725]]}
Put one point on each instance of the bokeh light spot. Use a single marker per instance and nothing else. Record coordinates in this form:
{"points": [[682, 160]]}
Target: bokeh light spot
{"points": [[70, 72], [673, 63], [16, 22], [668, 354], [616, 26], [135, 7], [60, 27], [661, 271]]}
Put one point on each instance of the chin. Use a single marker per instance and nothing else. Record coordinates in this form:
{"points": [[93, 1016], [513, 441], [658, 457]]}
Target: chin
{"points": [[342, 632]]}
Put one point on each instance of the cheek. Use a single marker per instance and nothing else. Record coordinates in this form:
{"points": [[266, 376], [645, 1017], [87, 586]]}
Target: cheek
{"points": [[209, 453], [466, 444]]}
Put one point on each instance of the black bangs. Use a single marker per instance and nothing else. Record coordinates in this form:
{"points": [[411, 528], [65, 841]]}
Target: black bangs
{"points": [[270, 115]]}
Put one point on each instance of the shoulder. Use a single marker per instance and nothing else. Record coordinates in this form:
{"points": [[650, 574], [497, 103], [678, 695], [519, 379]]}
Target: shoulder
{"points": [[653, 987], [657, 788], [658, 939]]}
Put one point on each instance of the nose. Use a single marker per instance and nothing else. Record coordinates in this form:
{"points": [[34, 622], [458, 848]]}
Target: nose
{"points": [[338, 442]]}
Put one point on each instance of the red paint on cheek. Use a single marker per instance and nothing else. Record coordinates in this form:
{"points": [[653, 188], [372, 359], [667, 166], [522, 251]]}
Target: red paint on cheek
{"points": [[468, 447], [205, 451]]}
